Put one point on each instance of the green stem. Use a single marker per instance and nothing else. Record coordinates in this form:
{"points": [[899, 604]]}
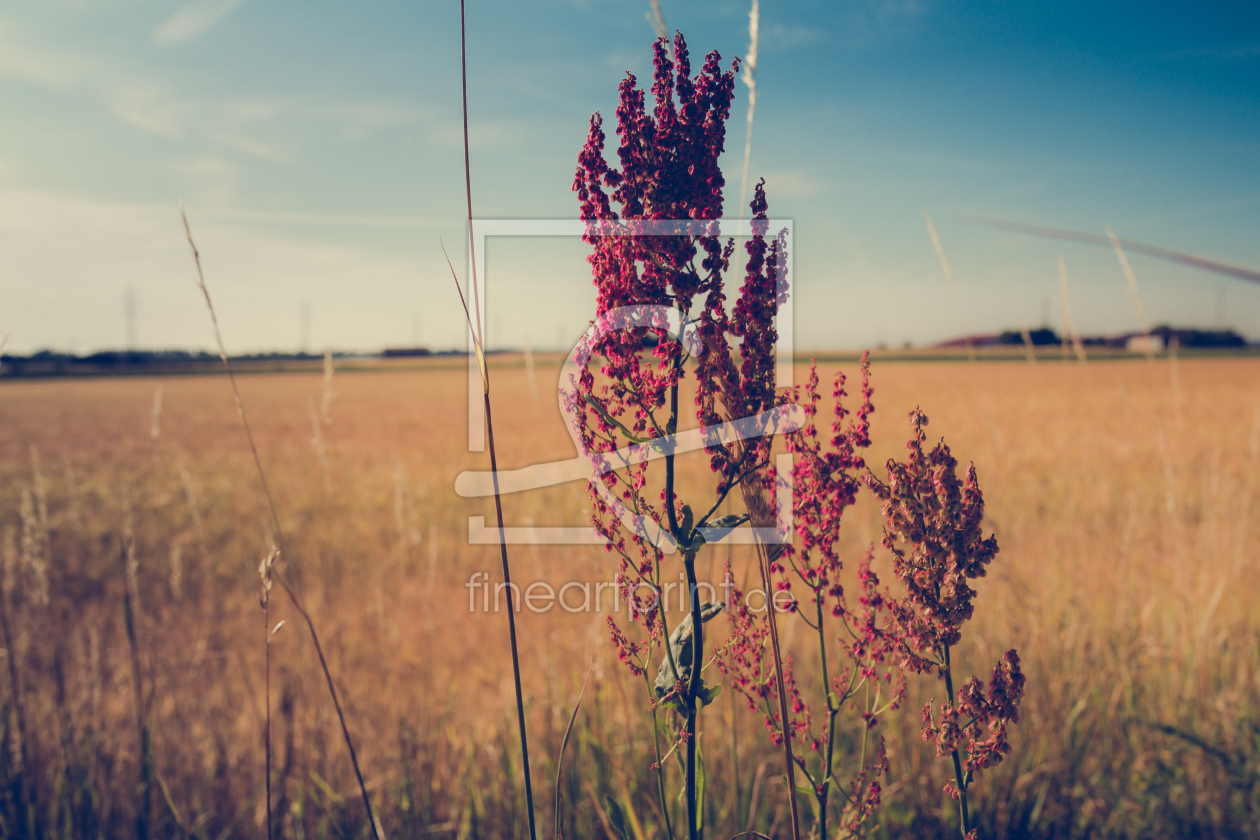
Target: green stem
{"points": [[832, 711], [697, 627], [735, 752], [516, 659], [693, 691], [958, 771], [656, 744]]}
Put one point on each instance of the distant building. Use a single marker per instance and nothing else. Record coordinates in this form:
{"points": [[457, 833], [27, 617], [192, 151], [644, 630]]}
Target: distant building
{"points": [[1145, 344]]}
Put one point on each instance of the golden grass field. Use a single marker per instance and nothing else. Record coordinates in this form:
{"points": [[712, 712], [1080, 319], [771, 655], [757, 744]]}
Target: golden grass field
{"points": [[1123, 495]]}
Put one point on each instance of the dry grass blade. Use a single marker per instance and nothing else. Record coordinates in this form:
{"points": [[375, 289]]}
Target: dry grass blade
{"points": [[657, 19], [472, 329], [1242, 272], [1029, 350], [494, 466], [18, 751], [1134, 296], [1129, 277], [130, 616], [949, 277], [564, 742], [265, 569], [236, 392], [1069, 328], [750, 79], [763, 557], [262, 477], [325, 404]]}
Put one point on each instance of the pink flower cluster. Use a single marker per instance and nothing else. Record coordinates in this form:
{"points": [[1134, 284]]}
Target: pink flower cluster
{"points": [[825, 483], [743, 660], [865, 795], [669, 174], [868, 681], [627, 651], [652, 222]]}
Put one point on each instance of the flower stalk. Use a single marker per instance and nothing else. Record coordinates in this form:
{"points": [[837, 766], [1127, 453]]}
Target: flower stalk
{"points": [[668, 175], [479, 348]]}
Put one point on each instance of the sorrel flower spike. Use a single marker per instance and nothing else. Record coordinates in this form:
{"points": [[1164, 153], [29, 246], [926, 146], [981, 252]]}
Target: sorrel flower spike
{"points": [[826, 482], [668, 172], [652, 224], [939, 516]]}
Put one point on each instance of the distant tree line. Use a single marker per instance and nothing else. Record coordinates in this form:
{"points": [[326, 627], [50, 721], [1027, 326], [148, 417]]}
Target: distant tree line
{"points": [[1185, 337]]}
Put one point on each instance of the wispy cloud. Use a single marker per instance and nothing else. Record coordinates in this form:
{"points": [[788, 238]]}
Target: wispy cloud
{"points": [[233, 214], [209, 180], [792, 183], [51, 68], [254, 148], [148, 107], [193, 21], [780, 37], [868, 23]]}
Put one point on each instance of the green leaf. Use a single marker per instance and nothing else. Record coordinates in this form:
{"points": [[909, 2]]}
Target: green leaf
{"points": [[616, 818], [709, 694], [729, 521], [699, 791], [630, 436], [684, 527]]}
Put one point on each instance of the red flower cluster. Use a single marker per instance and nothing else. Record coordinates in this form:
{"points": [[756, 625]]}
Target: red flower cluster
{"points": [[627, 651], [994, 711], [668, 172], [867, 679], [864, 796], [664, 250], [742, 658], [927, 506], [652, 223]]}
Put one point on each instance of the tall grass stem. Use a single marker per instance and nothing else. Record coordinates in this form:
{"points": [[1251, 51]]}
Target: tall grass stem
{"points": [[764, 562], [130, 617], [271, 503], [494, 466]]}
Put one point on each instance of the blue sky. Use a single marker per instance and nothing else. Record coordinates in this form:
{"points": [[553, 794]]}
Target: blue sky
{"points": [[317, 148]]}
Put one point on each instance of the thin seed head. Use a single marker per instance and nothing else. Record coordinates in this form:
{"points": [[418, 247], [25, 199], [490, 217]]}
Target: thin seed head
{"points": [[265, 573]]}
